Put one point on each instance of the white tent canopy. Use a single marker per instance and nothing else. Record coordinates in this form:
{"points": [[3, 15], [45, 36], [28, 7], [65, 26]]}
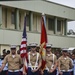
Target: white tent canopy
{"points": [[71, 48]]}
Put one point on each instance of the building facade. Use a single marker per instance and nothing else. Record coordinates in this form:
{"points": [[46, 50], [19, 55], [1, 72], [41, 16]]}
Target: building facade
{"points": [[12, 15]]}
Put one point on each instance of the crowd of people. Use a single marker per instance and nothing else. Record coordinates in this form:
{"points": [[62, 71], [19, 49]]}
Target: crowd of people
{"points": [[11, 62], [1, 60]]}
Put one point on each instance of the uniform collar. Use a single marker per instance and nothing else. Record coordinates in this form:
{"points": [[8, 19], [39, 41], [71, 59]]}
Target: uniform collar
{"points": [[48, 54], [33, 54], [15, 55], [64, 57]]}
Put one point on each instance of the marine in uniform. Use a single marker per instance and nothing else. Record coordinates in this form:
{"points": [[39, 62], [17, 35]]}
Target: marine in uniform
{"points": [[14, 62], [34, 60], [64, 63], [51, 61]]}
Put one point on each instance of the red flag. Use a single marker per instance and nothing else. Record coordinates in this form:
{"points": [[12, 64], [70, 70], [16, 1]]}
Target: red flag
{"points": [[23, 48], [43, 41]]}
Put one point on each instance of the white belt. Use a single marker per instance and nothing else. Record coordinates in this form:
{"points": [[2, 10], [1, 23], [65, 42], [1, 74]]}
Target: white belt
{"points": [[65, 70], [47, 68], [13, 70], [33, 67]]}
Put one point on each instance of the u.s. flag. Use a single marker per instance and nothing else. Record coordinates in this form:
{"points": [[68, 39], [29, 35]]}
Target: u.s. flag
{"points": [[23, 48]]}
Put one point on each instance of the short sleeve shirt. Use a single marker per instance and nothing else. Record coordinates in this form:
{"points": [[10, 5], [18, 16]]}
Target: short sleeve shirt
{"points": [[65, 63], [33, 58], [50, 60], [13, 63]]}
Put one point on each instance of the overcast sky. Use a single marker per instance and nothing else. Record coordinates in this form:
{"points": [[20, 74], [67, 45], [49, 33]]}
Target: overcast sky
{"points": [[70, 3]]}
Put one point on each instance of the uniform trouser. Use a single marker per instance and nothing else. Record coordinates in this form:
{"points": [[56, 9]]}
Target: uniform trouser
{"points": [[32, 73], [66, 73], [4, 72], [71, 73], [13, 73], [47, 73], [21, 73]]}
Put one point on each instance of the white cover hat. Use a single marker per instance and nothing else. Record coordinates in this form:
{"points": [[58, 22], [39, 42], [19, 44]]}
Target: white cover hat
{"points": [[33, 44], [64, 50], [48, 45], [13, 47]]}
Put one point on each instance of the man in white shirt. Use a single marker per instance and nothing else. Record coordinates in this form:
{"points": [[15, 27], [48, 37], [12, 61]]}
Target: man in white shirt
{"points": [[4, 71]]}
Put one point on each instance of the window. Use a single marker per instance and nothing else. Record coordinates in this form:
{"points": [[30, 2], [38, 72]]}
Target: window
{"points": [[20, 20], [27, 19], [58, 25], [50, 24], [13, 17], [6, 18], [35, 22]]}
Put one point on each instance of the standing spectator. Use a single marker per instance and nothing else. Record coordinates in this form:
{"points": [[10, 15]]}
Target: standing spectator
{"points": [[57, 53], [4, 71], [73, 58], [18, 52], [4, 53], [8, 52]]}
